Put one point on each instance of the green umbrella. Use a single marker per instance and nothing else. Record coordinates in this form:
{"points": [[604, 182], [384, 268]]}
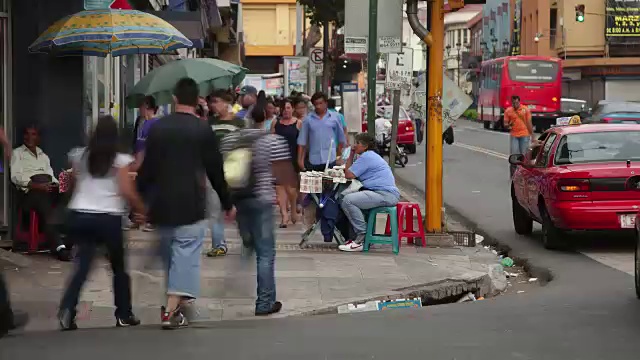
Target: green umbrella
{"points": [[210, 74]]}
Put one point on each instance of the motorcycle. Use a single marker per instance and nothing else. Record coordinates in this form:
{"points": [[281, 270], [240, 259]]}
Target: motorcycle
{"points": [[384, 146]]}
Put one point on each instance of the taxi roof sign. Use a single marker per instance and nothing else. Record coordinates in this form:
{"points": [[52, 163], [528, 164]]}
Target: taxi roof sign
{"points": [[575, 120]]}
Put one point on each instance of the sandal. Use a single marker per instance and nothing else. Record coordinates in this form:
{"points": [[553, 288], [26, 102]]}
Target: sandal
{"points": [[217, 252]]}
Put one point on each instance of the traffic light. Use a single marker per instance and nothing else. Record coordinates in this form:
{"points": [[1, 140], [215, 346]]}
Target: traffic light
{"points": [[580, 13]]}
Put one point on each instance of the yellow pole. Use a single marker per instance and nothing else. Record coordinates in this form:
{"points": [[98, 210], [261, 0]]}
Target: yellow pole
{"points": [[434, 123]]}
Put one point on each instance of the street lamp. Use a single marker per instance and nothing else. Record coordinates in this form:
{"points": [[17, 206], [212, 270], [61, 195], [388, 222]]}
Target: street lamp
{"points": [[494, 42], [505, 47], [458, 47]]}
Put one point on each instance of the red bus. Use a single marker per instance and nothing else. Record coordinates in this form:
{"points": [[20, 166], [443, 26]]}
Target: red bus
{"points": [[536, 79]]}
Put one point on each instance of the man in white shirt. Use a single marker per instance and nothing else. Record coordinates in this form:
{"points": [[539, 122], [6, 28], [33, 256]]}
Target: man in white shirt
{"points": [[32, 174]]}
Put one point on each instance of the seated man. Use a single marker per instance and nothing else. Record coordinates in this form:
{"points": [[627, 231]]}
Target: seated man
{"points": [[378, 187], [32, 174]]}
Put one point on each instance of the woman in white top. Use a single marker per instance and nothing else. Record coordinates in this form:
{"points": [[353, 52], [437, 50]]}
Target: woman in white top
{"points": [[102, 186]]}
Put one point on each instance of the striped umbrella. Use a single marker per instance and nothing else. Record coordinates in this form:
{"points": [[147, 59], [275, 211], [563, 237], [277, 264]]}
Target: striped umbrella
{"points": [[109, 31]]}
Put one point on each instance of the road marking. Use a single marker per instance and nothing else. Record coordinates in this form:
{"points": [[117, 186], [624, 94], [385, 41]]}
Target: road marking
{"points": [[484, 130], [482, 150]]}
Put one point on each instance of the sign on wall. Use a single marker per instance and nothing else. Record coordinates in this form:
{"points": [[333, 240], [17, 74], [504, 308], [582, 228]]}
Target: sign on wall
{"points": [[622, 24]]}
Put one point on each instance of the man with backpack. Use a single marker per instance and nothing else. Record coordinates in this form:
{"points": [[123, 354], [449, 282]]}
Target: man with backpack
{"points": [[249, 155], [223, 122]]}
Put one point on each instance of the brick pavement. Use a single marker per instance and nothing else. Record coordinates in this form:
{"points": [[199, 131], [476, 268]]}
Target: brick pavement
{"points": [[308, 280]]}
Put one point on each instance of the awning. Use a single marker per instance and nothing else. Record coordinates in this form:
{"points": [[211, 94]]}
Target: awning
{"points": [[187, 22]]}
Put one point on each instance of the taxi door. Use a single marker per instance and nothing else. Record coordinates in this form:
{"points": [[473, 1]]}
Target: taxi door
{"points": [[538, 173]]}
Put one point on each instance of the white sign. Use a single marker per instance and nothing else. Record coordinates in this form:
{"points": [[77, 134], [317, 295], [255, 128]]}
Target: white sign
{"points": [[390, 18], [317, 61], [356, 45], [399, 70], [389, 44]]}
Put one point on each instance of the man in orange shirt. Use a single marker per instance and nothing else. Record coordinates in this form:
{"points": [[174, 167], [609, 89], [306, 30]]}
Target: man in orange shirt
{"points": [[518, 119]]}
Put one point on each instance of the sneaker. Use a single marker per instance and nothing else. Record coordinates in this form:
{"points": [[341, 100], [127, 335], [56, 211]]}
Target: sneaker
{"points": [[67, 321], [275, 308], [216, 252], [172, 321], [148, 228], [351, 246], [132, 320]]}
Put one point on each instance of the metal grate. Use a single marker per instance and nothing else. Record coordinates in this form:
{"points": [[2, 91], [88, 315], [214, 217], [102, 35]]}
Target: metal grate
{"points": [[464, 238]]}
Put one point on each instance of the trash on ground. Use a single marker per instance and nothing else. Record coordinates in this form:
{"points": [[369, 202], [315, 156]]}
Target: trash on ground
{"points": [[520, 291], [377, 305], [479, 239], [494, 252], [507, 262], [533, 279], [509, 274], [480, 298], [468, 297]]}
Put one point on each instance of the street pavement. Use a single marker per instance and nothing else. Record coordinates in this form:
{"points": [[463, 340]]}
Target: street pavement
{"points": [[309, 281]]}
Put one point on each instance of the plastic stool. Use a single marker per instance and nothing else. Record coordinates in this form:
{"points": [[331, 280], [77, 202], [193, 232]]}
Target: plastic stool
{"points": [[372, 238], [405, 228], [33, 237]]}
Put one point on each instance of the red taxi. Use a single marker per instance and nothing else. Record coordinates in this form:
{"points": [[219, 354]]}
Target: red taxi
{"points": [[579, 177]]}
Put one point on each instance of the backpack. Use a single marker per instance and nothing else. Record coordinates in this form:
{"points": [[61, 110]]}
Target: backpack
{"points": [[238, 163]]}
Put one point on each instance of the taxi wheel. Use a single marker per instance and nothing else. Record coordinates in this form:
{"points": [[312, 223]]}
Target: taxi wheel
{"points": [[411, 148], [637, 265], [522, 222], [552, 237]]}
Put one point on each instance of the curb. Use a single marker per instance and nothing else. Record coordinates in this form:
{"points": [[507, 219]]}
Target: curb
{"points": [[14, 259], [545, 275], [439, 292]]}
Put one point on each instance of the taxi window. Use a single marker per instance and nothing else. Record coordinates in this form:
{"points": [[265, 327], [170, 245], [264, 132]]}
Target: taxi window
{"points": [[592, 147], [543, 158]]}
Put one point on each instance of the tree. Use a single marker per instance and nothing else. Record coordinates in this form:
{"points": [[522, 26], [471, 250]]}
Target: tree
{"points": [[321, 11]]}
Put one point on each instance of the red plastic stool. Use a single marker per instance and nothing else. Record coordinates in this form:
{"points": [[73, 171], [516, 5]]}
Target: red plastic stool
{"points": [[405, 228], [33, 237]]}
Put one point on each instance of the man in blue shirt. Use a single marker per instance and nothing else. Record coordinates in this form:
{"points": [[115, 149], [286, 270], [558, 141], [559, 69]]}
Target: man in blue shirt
{"points": [[332, 108], [319, 130], [249, 95]]}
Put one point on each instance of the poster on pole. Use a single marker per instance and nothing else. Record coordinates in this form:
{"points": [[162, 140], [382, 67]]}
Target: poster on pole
{"points": [[296, 74], [389, 44], [399, 70], [351, 106], [390, 22], [316, 61], [356, 45]]}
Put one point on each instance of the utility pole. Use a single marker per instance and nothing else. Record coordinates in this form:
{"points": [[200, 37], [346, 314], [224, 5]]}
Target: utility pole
{"points": [[372, 62], [434, 122], [326, 70], [394, 129], [299, 28]]}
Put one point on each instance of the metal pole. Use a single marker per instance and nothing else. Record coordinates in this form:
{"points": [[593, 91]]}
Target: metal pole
{"points": [[394, 129], [299, 28], [434, 124], [325, 69], [458, 58], [372, 61]]}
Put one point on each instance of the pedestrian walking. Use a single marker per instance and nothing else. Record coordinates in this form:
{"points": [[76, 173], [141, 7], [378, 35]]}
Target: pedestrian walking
{"points": [[250, 157], [9, 319], [101, 182], [517, 118], [286, 181], [181, 150], [222, 121]]}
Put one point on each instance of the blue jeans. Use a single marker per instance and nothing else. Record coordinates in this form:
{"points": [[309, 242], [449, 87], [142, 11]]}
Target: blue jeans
{"points": [[353, 205], [255, 222], [88, 231], [520, 145], [215, 217], [181, 249]]}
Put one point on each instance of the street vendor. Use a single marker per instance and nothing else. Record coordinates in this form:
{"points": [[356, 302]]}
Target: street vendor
{"points": [[378, 187]]}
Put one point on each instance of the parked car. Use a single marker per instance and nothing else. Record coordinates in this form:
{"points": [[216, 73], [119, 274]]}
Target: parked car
{"points": [[406, 131], [612, 112], [636, 274], [581, 177]]}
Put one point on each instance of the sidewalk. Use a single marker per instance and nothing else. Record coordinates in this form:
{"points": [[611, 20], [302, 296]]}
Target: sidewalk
{"points": [[315, 280]]}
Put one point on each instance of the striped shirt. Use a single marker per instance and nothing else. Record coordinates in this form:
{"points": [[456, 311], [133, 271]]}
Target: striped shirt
{"points": [[266, 150]]}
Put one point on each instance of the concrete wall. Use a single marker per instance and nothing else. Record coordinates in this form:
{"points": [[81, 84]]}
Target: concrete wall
{"points": [[47, 91]]}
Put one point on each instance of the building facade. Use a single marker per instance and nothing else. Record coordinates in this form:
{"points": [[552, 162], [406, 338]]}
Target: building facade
{"points": [[601, 55], [457, 44], [63, 96]]}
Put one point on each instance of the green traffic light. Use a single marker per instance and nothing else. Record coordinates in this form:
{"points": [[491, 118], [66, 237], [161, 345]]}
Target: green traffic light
{"points": [[580, 18]]}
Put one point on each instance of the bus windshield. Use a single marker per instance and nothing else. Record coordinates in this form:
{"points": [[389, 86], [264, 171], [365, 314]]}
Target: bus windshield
{"points": [[533, 71]]}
